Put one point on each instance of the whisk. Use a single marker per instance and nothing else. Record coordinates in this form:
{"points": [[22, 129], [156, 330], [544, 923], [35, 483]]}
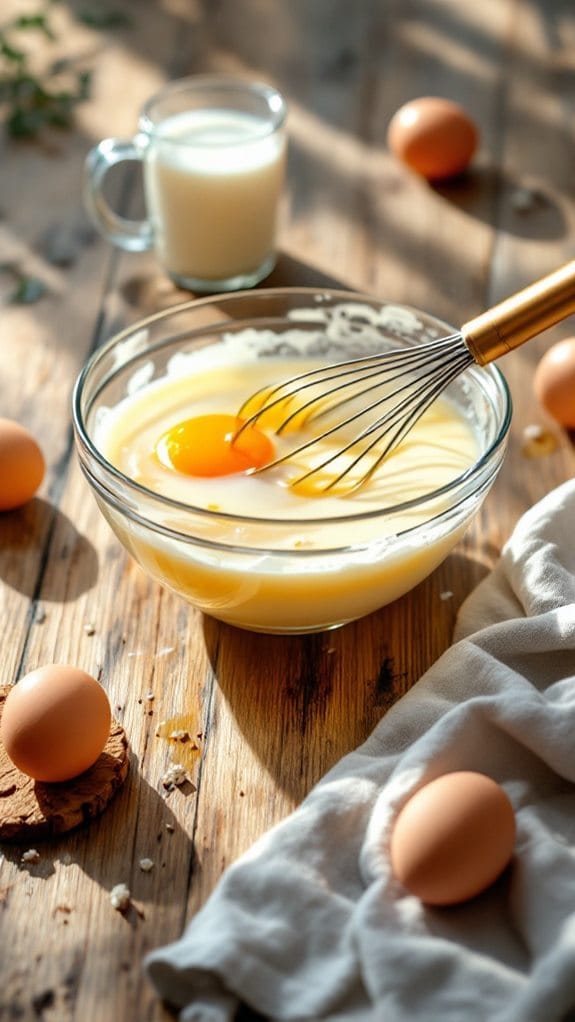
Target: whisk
{"points": [[396, 387]]}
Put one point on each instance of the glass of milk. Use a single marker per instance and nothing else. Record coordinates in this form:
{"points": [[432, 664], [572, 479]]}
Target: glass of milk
{"points": [[213, 151]]}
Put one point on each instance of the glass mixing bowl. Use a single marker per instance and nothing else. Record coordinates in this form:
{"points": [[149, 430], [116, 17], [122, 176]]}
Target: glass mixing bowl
{"points": [[251, 570]]}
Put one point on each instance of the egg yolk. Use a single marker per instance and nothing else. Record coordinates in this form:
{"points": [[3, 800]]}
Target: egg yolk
{"points": [[207, 445]]}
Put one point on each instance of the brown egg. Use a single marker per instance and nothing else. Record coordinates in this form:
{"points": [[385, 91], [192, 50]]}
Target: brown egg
{"points": [[55, 722], [434, 136], [22, 465], [453, 838], [554, 382]]}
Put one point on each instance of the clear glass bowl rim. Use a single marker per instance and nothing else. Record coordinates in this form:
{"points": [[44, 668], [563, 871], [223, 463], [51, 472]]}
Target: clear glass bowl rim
{"points": [[475, 472]]}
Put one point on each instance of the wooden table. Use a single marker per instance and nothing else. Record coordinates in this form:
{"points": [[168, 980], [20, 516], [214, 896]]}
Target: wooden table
{"points": [[273, 713]]}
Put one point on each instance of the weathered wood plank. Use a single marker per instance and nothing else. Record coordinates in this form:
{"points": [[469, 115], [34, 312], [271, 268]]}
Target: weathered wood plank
{"points": [[269, 715]]}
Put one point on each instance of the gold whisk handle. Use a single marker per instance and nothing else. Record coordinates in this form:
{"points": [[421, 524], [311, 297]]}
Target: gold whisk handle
{"points": [[520, 317]]}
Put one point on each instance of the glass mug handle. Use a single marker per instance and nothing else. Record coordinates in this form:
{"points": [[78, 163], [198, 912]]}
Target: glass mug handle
{"points": [[132, 235]]}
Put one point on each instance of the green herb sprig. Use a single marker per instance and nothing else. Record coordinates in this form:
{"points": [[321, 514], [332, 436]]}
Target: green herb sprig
{"points": [[29, 101], [27, 289]]}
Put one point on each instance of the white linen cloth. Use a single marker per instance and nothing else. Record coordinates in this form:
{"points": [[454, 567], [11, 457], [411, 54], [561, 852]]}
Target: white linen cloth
{"points": [[311, 925]]}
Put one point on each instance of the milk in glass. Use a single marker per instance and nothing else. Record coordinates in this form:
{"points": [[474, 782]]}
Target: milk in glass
{"points": [[213, 180]]}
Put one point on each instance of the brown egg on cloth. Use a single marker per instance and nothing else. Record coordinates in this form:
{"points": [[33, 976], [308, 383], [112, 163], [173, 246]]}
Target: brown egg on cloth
{"points": [[554, 382], [55, 722], [453, 838], [433, 136], [22, 465]]}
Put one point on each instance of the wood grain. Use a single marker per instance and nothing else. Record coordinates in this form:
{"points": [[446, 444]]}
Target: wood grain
{"points": [[269, 714]]}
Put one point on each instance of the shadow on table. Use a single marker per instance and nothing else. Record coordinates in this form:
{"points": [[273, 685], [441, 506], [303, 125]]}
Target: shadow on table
{"points": [[488, 193], [138, 823], [301, 702], [290, 272], [153, 291], [35, 534]]}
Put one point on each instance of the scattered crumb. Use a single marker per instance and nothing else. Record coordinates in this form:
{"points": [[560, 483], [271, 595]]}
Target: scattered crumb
{"points": [[165, 651], [31, 856], [538, 441], [170, 828], [523, 200], [120, 897], [65, 909], [146, 865], [89, 629], [40, 615], [150, 697], [180, 735], [447, 595], [174, 776], [159, 727], [242, 794], [41, 1002]]}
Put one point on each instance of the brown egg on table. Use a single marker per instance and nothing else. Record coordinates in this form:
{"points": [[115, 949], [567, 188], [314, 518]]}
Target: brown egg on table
{"points": [[55, 722], [554, 382], [433, 136], [453, 838], [22, 465]]}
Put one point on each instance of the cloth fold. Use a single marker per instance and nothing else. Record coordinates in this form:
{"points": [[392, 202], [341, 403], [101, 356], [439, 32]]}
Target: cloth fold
{"points": [[310, 924]]}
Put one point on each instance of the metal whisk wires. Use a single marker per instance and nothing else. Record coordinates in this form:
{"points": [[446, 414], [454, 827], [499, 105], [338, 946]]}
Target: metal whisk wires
{"points": [[398, 386], [390, 391]]}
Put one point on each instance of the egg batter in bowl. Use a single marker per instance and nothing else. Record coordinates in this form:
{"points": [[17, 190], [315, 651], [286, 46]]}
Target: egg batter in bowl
{"points": [[154, 414]]}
